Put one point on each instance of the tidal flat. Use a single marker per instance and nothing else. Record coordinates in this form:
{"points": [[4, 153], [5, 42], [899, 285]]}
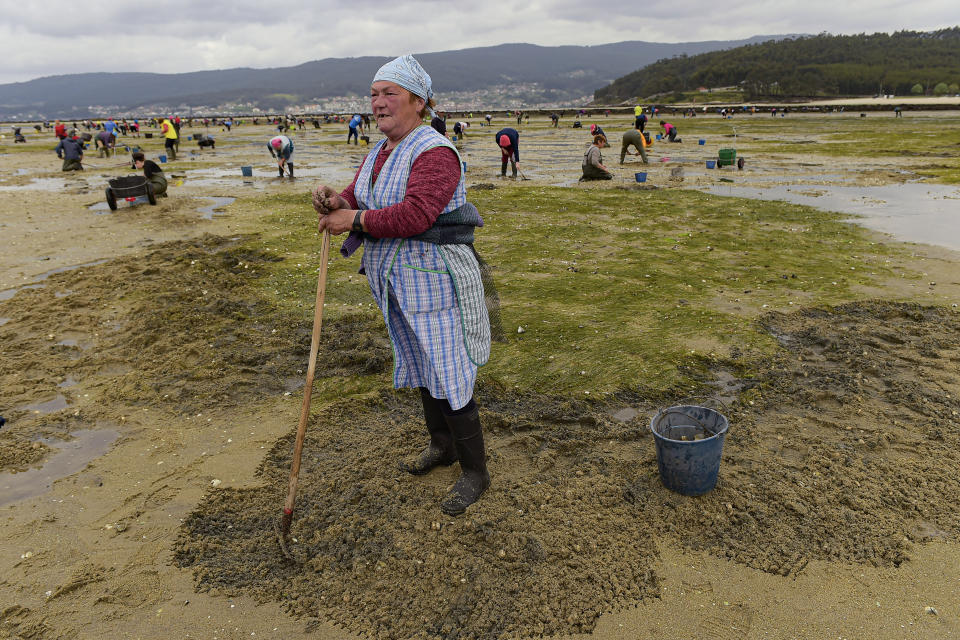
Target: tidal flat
{"points": [[185, 330]]}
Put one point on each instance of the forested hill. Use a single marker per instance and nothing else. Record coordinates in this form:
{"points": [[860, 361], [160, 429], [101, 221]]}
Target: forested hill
{"points": [[813, 66]]}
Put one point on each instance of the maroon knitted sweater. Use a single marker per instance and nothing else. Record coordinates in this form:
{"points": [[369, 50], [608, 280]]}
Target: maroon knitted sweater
{"points": [[433, 179]]}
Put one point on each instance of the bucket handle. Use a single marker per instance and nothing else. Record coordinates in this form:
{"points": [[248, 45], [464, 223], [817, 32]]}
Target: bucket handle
{"points": [[666, 412], [708, 399], [712, 433]]}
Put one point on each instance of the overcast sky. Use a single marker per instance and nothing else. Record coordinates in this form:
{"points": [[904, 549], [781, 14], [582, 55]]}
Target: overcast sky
{"points": [[52, 37]]}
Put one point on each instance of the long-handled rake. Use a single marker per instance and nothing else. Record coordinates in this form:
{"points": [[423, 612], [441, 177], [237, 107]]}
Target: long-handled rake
{"points": [[283, 526]]}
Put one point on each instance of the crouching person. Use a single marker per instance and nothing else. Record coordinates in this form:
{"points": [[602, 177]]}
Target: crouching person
{"points": [[70, 150], [152, 172], [593, 168]]}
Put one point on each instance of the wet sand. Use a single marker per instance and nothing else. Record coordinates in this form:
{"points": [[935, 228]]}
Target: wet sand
{"points": [[142, 323]]}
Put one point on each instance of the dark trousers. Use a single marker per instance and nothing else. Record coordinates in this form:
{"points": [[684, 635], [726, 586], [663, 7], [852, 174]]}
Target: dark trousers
{"points": [[352, 133], [159, 182], [503, 166]]}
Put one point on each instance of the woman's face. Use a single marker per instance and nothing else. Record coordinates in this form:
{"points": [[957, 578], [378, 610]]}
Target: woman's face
{"points": [[396, 113], [138, 164]]}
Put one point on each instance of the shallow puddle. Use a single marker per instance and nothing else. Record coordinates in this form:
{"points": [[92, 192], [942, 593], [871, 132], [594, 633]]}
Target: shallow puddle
{"points": [[625, 415], [48, 184], [72, 267], [67, 382], [6, 294], [48, 406], [217, 203], [74, 455], [4, 321], [914, 211]]}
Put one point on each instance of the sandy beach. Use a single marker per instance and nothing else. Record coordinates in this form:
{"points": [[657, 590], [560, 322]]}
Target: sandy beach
{"points": [[152, 361]]}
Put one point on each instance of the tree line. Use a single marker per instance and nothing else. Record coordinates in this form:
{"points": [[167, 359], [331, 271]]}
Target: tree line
{"points": [[901, 63]]}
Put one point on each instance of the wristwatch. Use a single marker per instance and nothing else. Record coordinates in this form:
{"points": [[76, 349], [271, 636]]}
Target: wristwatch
{"points": [[357, 225]]}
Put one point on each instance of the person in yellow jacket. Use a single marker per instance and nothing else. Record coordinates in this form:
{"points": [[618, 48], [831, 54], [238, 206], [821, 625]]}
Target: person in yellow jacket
{"points": [[170, 138], [639, 118]]}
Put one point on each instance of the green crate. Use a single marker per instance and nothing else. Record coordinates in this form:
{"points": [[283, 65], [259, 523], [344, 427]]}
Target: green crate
{"points": [[727, 157]]}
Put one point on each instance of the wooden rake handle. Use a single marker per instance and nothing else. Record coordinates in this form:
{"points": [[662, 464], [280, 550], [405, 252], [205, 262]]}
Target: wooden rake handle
{"points": [[308, 389]]}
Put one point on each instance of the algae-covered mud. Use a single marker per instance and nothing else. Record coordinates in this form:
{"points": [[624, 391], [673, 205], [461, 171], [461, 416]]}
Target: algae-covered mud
{"points": [[152, 362], [841, 456]]}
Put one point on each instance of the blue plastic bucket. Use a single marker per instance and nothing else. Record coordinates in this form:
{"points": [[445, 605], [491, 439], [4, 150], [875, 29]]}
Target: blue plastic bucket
{"points": [[711, 164], [701, 142], [454, 138], [163, 158], [247, 172], [189, 137], [689, 466], [641, 176], [659, 136]]}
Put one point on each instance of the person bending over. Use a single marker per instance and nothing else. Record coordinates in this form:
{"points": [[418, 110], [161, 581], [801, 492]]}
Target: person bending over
{"points": [[281, 148], [71, 151], [509, 141], [171, 138], [637, 139], [354, 128], [152, 172]]}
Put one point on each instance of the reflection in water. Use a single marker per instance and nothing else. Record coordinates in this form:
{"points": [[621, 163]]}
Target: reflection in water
{"points": [[914, 211], [72, 457], [218, 203], [48, 406]]}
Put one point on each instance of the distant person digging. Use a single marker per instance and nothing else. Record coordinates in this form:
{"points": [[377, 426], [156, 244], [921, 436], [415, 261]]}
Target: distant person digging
{"points": [[596, 130], [509, 142], [281, 148], [104, 142], [638, 140], [152, 172], [354, 128], [460, 129], [593, 168], [170, 138], [205, 141], [670, 132], [70, 150]]}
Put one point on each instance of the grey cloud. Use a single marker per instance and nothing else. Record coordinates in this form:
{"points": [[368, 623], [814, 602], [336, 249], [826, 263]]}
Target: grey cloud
{"points": [[59, 36]]}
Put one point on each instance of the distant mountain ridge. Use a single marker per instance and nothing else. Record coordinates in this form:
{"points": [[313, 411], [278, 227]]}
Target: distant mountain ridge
{"points": [[518, 73]]}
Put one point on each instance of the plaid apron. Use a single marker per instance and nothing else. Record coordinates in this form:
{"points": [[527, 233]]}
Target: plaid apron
{"points": [[431, 296]]}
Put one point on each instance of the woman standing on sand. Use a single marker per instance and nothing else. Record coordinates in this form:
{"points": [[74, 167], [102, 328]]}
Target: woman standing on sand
{"points": [[407, 205]]}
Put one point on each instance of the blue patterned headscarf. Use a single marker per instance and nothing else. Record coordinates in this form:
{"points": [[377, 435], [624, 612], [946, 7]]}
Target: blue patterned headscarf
{"points": [[406, 72]]}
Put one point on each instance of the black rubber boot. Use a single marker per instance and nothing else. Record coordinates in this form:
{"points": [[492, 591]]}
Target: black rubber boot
{"points": [[280, 169], [474, 477], [503, 168], [290, 169], [440, 451]]}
